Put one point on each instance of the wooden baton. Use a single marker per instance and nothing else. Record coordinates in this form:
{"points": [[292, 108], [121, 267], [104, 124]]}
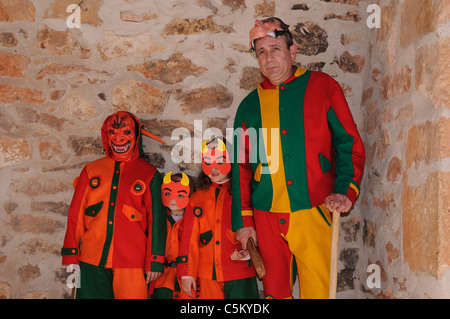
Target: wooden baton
{"points": [[256, 258], [336, 223]]}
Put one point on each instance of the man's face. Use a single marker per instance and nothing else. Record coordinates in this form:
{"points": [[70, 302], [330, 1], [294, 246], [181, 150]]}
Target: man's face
{"points": [[121, 136], [275, 58]]}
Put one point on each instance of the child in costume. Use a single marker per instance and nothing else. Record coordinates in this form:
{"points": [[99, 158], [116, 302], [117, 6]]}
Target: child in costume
{"points": [[207, 241], [175, 192], [116, 224]]}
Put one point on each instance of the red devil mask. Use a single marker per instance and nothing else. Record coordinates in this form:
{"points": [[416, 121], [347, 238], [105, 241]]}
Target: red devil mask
{"points": [[121, 133], [217, 157], [178, 191]]}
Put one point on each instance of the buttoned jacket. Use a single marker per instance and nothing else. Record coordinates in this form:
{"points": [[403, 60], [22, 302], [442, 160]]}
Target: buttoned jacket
{"points": [[295, 144]]}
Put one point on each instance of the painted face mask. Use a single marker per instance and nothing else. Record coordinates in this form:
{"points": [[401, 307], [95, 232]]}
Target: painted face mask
{"points": [[268, 27], [179, 191], [217, 157], [121, 133]]}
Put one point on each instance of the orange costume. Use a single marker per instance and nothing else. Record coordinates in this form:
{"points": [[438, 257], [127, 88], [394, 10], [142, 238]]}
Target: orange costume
{"points": [[169, 278], [116, 225], [207, 241]]}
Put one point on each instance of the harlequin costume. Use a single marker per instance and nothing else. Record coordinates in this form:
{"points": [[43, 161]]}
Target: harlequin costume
{"points": [[208, 242], [167, 286], [116, 225], [296, 144]]}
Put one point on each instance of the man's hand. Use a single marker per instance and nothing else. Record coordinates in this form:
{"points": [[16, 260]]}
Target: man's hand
{"points": [[189, 283], [243, 234], [338, 203], [152, 275]]}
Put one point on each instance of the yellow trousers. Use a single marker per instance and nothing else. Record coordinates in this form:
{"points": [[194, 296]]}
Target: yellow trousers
{"points": [[304, 237]]}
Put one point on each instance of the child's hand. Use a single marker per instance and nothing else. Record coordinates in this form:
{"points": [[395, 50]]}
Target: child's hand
{"points": [[152, 275], [240, 255], [188, 283]]}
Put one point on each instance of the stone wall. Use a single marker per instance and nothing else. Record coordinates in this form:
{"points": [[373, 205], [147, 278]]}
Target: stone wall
{"points": [[185, 65], [404, 206]]}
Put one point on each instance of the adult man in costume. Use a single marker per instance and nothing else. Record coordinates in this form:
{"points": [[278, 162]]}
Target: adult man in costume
{"points": [[298, 156], [116, 224]]}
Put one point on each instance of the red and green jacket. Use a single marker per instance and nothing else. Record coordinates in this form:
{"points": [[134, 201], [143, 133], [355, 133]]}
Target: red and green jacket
{"points": [[116, 218], [207, 240], [295, 144]]}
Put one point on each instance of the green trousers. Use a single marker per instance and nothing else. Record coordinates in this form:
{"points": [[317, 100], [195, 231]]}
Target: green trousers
{"points": [[95, 282]]}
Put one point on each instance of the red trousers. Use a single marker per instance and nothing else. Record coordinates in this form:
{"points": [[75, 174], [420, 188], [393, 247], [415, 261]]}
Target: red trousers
{"points": [[303, 236]]}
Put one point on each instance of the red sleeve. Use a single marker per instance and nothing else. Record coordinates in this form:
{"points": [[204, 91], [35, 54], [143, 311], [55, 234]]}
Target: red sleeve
{"points": [[188, 255], [75, 222]]}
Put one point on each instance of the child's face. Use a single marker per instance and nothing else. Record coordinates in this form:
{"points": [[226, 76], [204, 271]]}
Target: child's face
{"points": [[175, 193], [173, 206], [216, 176], [215, 161]]}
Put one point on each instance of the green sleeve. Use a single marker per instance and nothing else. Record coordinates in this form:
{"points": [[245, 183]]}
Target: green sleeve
{"points": [[159, 230]]}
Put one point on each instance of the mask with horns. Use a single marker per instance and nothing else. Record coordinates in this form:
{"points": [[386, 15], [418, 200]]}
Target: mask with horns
{"points": [[215, 157], [178, 191]]}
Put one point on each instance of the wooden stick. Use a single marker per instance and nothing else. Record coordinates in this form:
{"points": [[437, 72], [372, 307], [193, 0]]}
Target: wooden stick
{"points": [[334, 254], [256, 258]]}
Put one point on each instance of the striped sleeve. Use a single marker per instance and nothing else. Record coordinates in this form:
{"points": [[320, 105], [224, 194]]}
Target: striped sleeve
{"points": [[350, 153], [242, 173]]}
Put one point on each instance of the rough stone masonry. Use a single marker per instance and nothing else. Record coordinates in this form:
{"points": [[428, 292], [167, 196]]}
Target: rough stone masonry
{"points": [[175, 62]]}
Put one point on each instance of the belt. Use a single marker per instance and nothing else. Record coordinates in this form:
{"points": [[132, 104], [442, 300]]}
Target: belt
{"points": [[172, 264]]}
